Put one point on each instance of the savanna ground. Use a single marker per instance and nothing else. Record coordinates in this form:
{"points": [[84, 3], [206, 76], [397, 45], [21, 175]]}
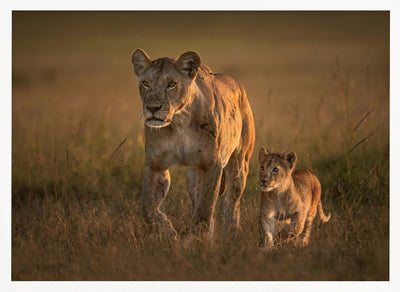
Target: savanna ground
{"points": [[318, 83]]}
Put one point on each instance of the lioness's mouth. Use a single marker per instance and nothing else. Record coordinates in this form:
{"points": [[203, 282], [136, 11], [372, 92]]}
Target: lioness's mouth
{"points": [[266, 188], [156, 123]]}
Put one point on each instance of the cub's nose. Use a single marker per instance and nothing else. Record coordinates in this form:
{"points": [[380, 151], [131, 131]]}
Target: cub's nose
{"points": [[263, 181], [152, 108]]}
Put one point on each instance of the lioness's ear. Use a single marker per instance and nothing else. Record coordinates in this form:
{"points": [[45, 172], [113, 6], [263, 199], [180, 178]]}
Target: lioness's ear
{"points": [[188, 63], [262, 154], [140, 61], [291, 157]]}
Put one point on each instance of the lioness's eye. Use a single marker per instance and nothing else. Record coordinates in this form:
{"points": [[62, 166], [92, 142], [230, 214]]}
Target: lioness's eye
{"points": [[145, 83], [275, 170], [171, 84]]}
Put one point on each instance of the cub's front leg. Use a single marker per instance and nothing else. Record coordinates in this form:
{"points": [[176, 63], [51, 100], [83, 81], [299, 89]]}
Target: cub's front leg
{"points": [[295, 228], [154, 190], [266, 227]]}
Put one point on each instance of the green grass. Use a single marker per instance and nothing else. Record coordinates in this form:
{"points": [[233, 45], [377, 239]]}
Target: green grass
{"points": [[316, 87]]}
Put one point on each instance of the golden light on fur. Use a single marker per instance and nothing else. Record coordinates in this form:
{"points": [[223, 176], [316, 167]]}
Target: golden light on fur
{"points": [[198, 119], [287, 195], [317, 82]]}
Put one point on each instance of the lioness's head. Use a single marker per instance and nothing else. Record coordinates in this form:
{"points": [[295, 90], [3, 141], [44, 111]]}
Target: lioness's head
{"points": [[164, 85], [275, 169]]}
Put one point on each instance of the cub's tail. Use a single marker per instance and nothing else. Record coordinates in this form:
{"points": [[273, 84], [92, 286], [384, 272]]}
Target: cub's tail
{"points": [[324, 218]]}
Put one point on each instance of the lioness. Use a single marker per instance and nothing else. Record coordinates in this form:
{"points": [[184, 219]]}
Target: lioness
{"points": [[199, 119], [287, 195]]}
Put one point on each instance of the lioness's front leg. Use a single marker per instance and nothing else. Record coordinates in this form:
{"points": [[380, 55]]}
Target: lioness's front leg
{"points": [[191, 182], [236, 173], [155, 188], [207, 188]]}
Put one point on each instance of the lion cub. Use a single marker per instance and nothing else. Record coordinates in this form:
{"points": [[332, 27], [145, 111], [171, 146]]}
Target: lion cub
{"points": [[287, 194]]}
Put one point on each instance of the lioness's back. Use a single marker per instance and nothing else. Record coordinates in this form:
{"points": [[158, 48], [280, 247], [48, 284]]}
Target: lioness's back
{"points": [[218, 82]]}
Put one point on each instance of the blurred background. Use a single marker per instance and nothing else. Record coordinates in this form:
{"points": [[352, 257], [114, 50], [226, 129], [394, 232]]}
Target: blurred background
{"points": [[318, 83], [72, 68]]}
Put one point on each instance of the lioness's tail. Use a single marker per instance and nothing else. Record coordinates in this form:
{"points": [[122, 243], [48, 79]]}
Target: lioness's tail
{"points": [[324, 218]]}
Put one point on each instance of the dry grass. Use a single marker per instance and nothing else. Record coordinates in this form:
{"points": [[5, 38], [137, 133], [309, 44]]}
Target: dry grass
{"points": [[318, 84]]}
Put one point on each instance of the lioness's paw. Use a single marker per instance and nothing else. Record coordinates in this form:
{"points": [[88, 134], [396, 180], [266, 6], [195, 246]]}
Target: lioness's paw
{"points": [[301, 242], [174, 235], [168, 233]]}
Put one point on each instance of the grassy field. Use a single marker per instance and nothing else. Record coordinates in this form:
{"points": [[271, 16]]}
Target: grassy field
{"points": [[318, 84]]}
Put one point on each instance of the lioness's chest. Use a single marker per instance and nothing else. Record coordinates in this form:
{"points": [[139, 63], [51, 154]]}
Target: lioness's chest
{"points": [[189, 146]]}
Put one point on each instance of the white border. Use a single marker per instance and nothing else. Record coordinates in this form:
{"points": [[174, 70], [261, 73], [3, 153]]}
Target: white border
{"points": [[201, 5], [194, 286], [394, 146], [5, 198], [5, 118]]}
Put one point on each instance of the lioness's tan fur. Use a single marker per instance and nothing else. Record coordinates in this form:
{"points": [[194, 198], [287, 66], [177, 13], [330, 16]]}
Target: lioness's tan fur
{"points": [[287, 194], [199, 119]]}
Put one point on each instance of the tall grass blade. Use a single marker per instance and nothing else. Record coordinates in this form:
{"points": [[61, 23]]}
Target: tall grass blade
{"points": [[358, 144], [116, 149], [362, 120]]}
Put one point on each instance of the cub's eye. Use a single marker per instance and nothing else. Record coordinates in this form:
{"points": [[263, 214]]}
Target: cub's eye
{"points": [[171, 84], [145, 84], [275, 170], [262, 168]]}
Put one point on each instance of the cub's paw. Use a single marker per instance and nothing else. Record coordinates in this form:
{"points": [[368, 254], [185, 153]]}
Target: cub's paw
{"points": [[266, 247]]}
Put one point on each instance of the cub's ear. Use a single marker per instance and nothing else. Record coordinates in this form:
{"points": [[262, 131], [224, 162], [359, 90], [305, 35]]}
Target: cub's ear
{"points": [[291, 157], [140, 61], [188, 63], [262, 154]]}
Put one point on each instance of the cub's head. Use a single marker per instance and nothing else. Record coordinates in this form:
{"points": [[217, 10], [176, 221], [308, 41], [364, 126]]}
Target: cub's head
{"points": [[164, 85], [275, 169]]}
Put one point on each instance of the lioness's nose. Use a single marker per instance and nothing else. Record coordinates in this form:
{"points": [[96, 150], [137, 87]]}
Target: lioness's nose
{"points": [[153, 109]]}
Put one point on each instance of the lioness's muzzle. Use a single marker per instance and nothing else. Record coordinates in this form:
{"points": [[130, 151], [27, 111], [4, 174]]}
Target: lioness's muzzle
{"points": [[153, 108]]}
